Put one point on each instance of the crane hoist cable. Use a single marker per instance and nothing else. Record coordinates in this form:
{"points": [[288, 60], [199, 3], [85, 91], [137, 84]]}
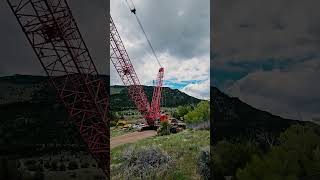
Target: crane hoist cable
{"points": [[133, 11]]}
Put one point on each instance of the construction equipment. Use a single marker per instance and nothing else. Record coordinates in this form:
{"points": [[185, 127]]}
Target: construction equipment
{"points": [[56, 40], [121, 123], [122, 63]]}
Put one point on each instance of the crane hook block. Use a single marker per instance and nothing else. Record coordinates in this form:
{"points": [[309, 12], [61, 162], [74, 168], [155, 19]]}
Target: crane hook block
{"points": [[133, 10]]}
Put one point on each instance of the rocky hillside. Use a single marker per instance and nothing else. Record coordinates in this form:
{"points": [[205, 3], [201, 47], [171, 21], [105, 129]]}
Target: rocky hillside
{"points": [[233, 118]]}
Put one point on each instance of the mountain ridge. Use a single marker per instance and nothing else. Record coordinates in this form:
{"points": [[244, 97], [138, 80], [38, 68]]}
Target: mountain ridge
{"points": [[171, 97], [232, 117], [29, 101], [31, 114], [21, 88]]}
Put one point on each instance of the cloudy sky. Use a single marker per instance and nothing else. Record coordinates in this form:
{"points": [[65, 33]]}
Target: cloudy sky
{"points": [[267, 53], [179, 31], [17, 56]]}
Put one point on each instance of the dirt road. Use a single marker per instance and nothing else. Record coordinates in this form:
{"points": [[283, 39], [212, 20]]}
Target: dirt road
{"points": [[131, 137]]}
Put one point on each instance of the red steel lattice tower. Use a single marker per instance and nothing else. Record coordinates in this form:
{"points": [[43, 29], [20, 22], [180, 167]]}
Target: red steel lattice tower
{"points": [[122, 63], [156, 98], [56, 40]]}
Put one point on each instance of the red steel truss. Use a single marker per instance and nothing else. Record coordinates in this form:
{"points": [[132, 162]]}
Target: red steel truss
{"points": [[124, 67], [156, 98], [121, 61], [56, 40]]}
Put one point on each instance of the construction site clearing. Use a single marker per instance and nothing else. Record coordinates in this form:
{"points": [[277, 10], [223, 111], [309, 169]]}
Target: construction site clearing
{"points": [[175, 125]]}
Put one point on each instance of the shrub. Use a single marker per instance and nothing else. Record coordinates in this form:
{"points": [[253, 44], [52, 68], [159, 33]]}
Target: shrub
{"points": [[228, 157], [62, 167], [85, 165], [164, 129], [54, 166], [30, 162], [200, 113], [47, 165], [183, 110], [73, 175], [31, 165], [296, 157], [38, 175], [204, 163], [175, 114], [73, 165], [25, 175], [146, 163]]}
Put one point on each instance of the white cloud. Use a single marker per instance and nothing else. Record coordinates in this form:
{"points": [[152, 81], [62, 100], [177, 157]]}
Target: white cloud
{"points": [[176, 70], [285, 32], [292, 93], [250, 30], [199, 90], [182, 42], [180, 13]]}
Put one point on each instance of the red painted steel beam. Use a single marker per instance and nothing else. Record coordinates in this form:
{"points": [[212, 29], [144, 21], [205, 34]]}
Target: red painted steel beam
{"points": [[156, 98], [122, 63], [56, 40]]}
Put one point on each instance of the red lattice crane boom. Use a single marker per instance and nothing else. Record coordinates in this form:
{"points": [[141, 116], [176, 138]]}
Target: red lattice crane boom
{"points": [[122, 63], [56, 40], [156, 98]]}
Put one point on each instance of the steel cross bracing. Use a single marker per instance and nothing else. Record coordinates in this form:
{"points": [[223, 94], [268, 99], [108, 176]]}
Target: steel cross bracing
{"points": [[55, 38], [124, 67], [156, 98]]}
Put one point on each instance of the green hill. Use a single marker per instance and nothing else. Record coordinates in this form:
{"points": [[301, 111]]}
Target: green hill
{"points": [[171, 98], [233, 118], [35, 89], [32, 115]]}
